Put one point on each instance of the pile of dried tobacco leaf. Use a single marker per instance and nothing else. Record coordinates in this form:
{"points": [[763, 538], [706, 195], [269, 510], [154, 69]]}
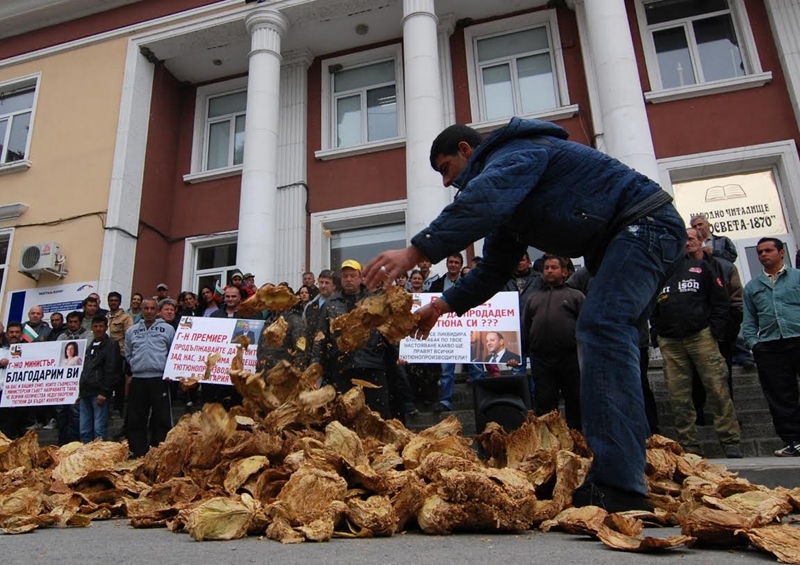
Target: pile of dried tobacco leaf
{"points": [[295, 463]]}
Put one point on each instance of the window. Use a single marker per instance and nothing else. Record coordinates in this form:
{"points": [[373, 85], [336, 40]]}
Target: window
{"points": [[16, 117], [219, 126], [225, 118], [695, 42], [365, 244], [359, 233], [209, 260], [516, 67], [5, 248], [362, 102]]}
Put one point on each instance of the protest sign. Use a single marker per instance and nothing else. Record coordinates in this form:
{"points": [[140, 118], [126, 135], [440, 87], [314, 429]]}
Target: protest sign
{"points": [[63, 298], [466, 339], [40, 374], [197, 338]]}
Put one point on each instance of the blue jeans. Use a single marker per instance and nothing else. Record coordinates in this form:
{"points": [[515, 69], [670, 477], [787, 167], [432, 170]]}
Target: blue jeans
{"points": [[447, 382], [636, 263], [94, 419]]}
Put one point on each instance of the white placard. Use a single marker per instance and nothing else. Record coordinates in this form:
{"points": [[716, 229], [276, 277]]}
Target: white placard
{"points": [[40, 374], [462, 339], [197, 338]]}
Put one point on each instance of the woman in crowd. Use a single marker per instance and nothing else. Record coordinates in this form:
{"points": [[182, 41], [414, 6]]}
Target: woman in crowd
{"points": [[207, 304], [401, 280], [305, 298]]}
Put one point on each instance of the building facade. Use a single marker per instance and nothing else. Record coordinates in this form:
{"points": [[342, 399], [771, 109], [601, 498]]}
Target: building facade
{"points": [[176, 141]]}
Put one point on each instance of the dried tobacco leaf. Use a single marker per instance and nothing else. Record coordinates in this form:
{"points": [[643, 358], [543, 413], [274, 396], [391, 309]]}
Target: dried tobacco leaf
{"points": [[219, 518], [586, 520], [95, 457], [715, 527], [782, 541], [762, 507], [241, 471], [22, 452], [625, 542], [275, 334], [268, 297]]}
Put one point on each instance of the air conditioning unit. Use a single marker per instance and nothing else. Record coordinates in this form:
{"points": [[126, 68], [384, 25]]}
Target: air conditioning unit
{"points": [[42, 258]]}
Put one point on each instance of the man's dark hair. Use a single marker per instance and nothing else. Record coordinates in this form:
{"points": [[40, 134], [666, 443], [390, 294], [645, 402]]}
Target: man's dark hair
{"points": [[14, 325], [308, 273], [57, 314], [446, 143], [114, 294], [498, 334], [458, 256], [100, 320], [526, 255], [562, 261], [778, 243], [141, 296], [75, 314], [89, 300], [477, 259], [330, 275]]}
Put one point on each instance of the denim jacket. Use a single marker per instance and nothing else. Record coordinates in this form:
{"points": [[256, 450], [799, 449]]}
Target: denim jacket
{"points": [[525, 184], [772, 312]]}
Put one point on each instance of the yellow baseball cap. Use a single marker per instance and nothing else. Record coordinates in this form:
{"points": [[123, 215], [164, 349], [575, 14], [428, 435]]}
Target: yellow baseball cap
{"points": [[351, 264]]}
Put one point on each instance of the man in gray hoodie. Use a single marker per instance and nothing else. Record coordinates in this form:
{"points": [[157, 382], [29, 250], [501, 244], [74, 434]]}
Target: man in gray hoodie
{"points": [[147, 346]]}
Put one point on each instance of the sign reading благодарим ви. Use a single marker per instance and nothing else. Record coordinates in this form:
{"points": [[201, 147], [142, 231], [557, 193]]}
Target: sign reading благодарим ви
{"points": [[40, 374]]}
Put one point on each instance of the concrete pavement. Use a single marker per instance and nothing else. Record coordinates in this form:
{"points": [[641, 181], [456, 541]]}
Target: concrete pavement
{"points": [[117, 543]]}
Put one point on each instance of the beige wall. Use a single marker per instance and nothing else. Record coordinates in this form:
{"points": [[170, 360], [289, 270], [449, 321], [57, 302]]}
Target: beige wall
{"points": [[72, 152]]}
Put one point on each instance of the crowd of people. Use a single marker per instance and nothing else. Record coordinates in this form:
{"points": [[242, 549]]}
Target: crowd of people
{"points": [[524, 185]]}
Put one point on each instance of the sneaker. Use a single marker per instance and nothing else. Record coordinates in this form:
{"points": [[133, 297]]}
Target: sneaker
{"points": [[610, 498], [791, 450], [51, 425], [733, 451], [33, 427]]}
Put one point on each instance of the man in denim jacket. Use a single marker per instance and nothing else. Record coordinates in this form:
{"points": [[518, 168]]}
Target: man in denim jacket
{"points": [[772, 330], [525, 184]]}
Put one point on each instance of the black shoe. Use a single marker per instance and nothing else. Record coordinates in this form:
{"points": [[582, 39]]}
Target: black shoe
{"points": [[439, 408], [610, 498], [733, 451], [791, 450]]}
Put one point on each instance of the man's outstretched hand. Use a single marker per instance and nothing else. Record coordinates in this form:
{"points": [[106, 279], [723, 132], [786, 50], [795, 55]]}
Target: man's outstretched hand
{"points": [[428, 315], [391, 264]]}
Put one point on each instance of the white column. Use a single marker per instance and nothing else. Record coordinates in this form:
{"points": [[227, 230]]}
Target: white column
{"points": [[256, 249], [784, 16], [424, 113], [619, 92], [447, 25], [292, 193]]}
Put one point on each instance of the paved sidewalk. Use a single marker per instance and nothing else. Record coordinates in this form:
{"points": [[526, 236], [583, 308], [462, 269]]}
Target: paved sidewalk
{"points": [[767, 471], [116, 542]]}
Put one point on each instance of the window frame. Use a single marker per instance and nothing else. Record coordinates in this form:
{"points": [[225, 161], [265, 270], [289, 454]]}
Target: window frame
{"points": [[541, 18], [328, 99], [5, 232], [193, 245], [9, 87], [754, 74], [324, 224], [200, 135]]}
